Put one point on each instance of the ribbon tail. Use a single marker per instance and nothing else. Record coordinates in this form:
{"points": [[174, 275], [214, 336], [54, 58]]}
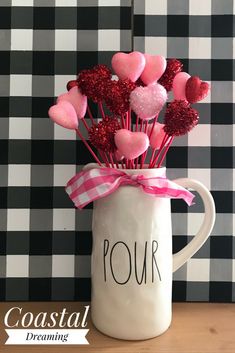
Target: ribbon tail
{"points": [[185, 195], [179, 192], [170, 190]]}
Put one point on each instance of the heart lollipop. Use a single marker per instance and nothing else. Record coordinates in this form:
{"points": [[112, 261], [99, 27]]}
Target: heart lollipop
{"points": [[154, 68], [128, 65], [92, 82], [157, 135], [101, 135], [118, 94], [77, 99], [148, 101], [179, 85], [196, 90], [64, 114], [131, 144], [180, 118]]}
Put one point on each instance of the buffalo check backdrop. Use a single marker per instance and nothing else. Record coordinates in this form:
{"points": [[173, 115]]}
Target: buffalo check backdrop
{"points": [[45, 244]]}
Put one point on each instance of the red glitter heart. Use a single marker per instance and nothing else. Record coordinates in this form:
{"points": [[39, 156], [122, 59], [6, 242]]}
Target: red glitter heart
{"points": [[180, 118], [118, 94], [93, 82], [102, 134], [196, 90]]}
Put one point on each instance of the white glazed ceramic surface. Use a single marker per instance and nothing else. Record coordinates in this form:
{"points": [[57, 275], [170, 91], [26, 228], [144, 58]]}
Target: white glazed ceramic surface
{"points": [[132, 260]]}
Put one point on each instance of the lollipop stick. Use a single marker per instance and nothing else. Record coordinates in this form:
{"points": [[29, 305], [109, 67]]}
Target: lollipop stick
{"points": [[137, 124], [143, 156], [154, 122], [88, 147], [165, 138], [126, 124], [150, 135], [146, 126], [107, 160], [136, 163], [116, 162], [164, 142], [129, 119], [165, 152], [90, 115], [103, 158], [111, 159], [101, 109], [123, 121], [85, 124], [152, 156], [132, 164], [136, 130]]}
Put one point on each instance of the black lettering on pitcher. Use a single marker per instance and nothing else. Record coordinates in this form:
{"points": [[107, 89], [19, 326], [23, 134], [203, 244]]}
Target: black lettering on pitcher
{"points": [[154, 261], [111, 263], [105, 252], [147, 261], [143, 275]]}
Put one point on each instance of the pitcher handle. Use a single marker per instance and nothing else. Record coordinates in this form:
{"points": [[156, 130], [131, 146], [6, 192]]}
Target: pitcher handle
{"points": [[208, 222]]}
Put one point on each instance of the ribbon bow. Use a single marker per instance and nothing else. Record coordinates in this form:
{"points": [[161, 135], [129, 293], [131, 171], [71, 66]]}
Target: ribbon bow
{"points": [[93, 184]]}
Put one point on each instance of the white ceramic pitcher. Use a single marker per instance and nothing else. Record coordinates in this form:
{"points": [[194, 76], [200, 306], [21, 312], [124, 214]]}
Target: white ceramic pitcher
{"points": [[132, 260]]}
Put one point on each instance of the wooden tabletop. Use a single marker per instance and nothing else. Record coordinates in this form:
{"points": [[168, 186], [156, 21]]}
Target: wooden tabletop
{"points": [[196, 328]]}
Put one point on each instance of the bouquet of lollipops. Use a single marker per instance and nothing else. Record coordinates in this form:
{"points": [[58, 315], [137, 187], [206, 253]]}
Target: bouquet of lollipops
{"points": [[134, 99]]}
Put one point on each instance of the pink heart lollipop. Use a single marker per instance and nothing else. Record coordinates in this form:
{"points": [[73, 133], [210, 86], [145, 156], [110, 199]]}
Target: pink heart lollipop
{"points": [[179, 85], [128, 65], [154, 68], [131, 144], [64, 114], [157, 135], [148, 101], [77, 99]]}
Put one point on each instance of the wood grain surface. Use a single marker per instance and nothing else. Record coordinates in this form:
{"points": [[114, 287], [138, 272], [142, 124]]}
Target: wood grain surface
{"points": [[196, 328]]}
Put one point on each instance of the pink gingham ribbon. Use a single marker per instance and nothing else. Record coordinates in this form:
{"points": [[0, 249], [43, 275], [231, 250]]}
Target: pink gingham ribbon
{"points": [[93, 184]]}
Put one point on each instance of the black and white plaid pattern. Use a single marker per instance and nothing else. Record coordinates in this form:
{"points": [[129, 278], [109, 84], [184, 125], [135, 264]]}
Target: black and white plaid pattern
{"points": [[45, 245], [200, 33]]}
